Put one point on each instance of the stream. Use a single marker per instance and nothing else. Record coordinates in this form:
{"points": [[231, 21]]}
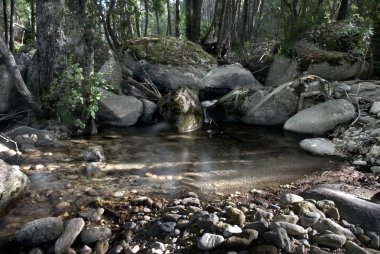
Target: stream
{"points": [[153, 160]]}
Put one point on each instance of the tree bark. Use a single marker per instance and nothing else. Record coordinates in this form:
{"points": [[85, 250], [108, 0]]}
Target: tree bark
{"points": [[188, 20], [110, 29], [33, 19], [5, 18], [343, 10], [177, 18], [11, 66], [137, 21], [11, 27], [169, 31], [196, 19], [157, 22], [87, 25], [51, 41]]}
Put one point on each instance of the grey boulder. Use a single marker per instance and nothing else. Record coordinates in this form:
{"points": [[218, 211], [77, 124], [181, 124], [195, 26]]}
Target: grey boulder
{"points": [[119, 110], [72, 230], [13, 185], [92, 234], [321, 118], [40, 231]]}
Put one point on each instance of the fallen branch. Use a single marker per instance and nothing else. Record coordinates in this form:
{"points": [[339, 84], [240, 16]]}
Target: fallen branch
{"points": [[7, 139], [142, 87]]}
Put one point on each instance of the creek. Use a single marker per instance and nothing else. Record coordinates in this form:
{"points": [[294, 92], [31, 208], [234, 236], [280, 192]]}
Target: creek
{"points": [[155, 161]]}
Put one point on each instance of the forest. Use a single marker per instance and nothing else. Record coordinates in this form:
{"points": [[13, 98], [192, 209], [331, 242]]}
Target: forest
{"points": [[190, 126]]}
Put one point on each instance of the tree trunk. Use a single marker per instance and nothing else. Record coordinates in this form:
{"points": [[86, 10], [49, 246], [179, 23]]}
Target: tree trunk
{"points": [[169, 31], [244, 21], [11, 66], [110, 29], [177, 18], [157, 22], [212, 25], [188, 20], [146, 17], [33, 19], [196, 19], [137, 21], [87, 25], [5, 16], [343, 10], [11, 27], [51, 41]]}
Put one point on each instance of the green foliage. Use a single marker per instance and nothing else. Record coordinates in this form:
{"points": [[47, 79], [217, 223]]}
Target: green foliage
{"points": [[74, 98]]}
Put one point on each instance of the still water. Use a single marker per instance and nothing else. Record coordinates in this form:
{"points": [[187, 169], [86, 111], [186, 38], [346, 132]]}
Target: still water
{"points": [[156, 161]]}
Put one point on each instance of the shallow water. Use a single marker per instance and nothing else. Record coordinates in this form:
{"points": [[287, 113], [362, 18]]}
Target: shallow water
{"points": [[156, 161]]}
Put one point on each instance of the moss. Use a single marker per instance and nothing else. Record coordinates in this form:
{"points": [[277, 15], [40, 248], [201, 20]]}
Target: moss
{"points": [[168, 50], [232, 101]]}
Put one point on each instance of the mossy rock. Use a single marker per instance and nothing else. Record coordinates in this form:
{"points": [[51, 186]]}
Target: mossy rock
{"points": [[168, 50]]}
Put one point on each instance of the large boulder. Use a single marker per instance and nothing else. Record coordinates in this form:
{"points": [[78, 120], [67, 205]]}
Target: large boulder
{"points": [[111, 71], [282, 70], [319, 146], [366, 89], [13, 185], [225, 78], [168, 62], [28, 135], [353, 209], [182, 109], [119, 110], [334, 51], [322, 117]]}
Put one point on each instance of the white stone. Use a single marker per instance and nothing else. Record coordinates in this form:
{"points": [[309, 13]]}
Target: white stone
{"points": [[375, 109]]}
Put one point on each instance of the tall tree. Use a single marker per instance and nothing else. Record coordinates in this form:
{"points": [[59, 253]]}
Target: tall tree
{"points": [[169, 26], [5, 18], [177, 18], [11, 26], [51, 41], [11, 66], [137, 20], [146, 6], [193, 9], [33, 19], [343, 9]]}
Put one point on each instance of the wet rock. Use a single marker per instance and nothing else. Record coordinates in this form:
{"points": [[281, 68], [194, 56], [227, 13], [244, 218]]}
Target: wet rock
{"points": [[93, 169], [44, 138], [72, 230], [352, 209], [209, 241], [40, 231], [225, 78], [286, 218], [13, 185], [279, 238], [321, 118], [182, 109], [93, 234], [289, 198], [150, 108], [94, 154], [327, 225], [330, 240], [167, 227], [119, 110], [291, 229], [319, 146], [235, 216]]}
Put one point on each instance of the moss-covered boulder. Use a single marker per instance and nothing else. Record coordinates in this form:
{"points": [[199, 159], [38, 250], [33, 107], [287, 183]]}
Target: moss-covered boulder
{"points": [[168, 62], [335, 51], [182, 109]]}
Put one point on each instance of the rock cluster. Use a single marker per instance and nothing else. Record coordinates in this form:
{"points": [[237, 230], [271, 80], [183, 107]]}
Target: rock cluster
{"points": [[292, 225]]}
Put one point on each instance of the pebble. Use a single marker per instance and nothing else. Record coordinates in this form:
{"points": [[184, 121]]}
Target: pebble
{"points": [[353, 248], [85, 250], [231, 230], [235, 216], [72, 230], [286, 218], [93, 233], [288, 199], [167, 227], [325, 225], [291, 229], [279, 238], [62, 205], [308, 219], [209, 241], [102, 246], [93, 215], [206, 221], [259, 226]]}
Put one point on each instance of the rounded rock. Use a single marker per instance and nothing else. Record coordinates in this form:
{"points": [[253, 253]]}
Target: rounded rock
{"points": [[92, 234], [209, 241]]}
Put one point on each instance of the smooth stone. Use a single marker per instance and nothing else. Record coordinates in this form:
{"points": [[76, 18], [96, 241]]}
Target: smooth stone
{"points": [[308, 219], [168, 227], [375, 109], [279, 238], [355, 210], [92, 234], [231, 230], [209, 241], [264, 249], [328, 225], [286, 218], [259, 214], [94, 154], [288, 199], [291, 229], [353, 248], [36, 251], [333, 213], [259, 226], [40, 231], [330, 240], [72, 230], [319, 146], [102, 246], [92, 214], [235, 216], [207, 221], [85, 250], [242, 241]]}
